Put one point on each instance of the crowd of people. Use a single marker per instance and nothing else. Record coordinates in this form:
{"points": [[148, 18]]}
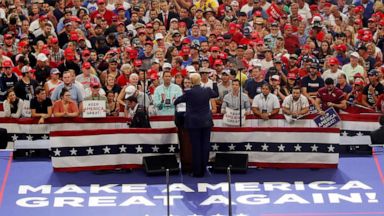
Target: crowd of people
{"points": [[266, 57]]}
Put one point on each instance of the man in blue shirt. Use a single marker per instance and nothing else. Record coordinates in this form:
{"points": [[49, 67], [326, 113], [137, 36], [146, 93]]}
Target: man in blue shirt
{"points": [[165, 94]]}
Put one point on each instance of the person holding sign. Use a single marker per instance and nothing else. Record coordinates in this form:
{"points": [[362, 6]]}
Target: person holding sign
{"points": [[232, 99], [198, 121], [330, 96], [266, 104]]}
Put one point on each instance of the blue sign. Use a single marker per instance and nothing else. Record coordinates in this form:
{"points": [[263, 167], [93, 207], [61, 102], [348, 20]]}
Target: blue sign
{"points": [[328, 120]]}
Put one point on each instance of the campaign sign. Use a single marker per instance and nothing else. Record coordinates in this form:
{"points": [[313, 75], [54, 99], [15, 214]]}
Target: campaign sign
{"points": [[328, 120], [232, 117], [94, 109], [274, 11]]}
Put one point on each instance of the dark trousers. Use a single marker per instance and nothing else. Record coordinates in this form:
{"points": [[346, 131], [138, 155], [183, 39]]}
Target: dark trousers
{"points": [[200, 140]]}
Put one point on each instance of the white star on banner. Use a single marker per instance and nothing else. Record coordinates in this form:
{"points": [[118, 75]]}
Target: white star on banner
{"points": [[123, 149], [29, 137], [139, 149], [90, 151], [314, 148], [241, 214], [359, 134], [57, 152], [232, 147], [344, 133], [297, 147], [215, 147], [14, 137], [195, 215], [248, 147], [281, 147], [331, 148], [45, 137], [155, 149], [218, 214], [265, 147], [73, 151], [106, 150], [171, 148]]}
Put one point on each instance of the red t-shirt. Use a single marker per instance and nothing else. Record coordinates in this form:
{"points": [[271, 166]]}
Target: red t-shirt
{"points": [[335, 96], [122, 80], [107, 15]]}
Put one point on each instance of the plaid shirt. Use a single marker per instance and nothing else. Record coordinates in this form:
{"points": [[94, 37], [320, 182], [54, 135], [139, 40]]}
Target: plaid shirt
{"points": [[57, 57]]}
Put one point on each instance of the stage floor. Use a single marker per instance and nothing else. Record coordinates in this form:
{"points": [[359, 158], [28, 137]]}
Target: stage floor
{"points": [[356, 187]]}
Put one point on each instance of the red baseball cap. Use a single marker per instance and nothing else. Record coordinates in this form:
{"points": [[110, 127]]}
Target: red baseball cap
{"points": [[215, 48], [54, 40], [86, 65], [327, 4], [23, 43], [8, 36], [291, 76], [182, 24], [100, 1], [7, 63], [120, 8], [333, 61], [359, 82], [186, 41], [313, 7], [218, 62], [86, 52], [137, 63]]}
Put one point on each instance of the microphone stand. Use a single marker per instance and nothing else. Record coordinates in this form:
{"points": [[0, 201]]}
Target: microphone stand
{"points": [[240, 73], [229, 191], [167, 181]]}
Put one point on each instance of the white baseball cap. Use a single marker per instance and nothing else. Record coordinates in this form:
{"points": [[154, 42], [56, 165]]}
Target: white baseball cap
{"points": [[129, 91], [42, 57], [355, 54], [159, 36], [190, 69]]}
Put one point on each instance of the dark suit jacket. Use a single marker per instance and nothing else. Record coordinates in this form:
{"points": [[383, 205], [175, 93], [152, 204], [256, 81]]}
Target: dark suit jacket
{"points": [[377, 136], [198, 113], [170, 16], [140, 119]]}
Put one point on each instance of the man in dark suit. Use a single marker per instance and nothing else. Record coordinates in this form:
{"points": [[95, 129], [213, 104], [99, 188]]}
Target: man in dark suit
{"points": [[165, 16], [377, 136], [198, 120], [138, 114]]}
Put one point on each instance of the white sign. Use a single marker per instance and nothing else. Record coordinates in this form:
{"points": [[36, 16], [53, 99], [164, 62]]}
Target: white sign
{"points": [[94, 109], [232, 117]]}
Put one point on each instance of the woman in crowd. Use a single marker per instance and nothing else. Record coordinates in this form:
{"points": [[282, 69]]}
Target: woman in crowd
{"points": [[111, 86], [12, 105], [65, 107], [112, 105]]}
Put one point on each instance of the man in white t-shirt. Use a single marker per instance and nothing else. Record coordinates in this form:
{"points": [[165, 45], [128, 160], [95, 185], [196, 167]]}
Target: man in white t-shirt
{"points": [[295, 104], [265, 104], [333, 71]]}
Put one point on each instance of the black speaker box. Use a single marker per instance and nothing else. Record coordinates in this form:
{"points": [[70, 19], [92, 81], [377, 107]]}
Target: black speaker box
{"points": [[238, 162], [3, 138], [156, 165]]}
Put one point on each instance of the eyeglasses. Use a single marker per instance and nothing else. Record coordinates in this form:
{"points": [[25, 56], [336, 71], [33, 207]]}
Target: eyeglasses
{"points": [[67, 95], [7, 68]]}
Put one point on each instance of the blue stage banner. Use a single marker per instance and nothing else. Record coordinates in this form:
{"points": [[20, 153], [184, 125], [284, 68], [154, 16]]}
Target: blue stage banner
{"points": [[328, 120]]}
